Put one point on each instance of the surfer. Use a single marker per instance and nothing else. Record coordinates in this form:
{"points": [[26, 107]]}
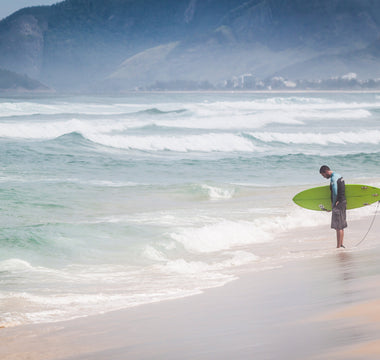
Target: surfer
{"points": [[338, 201]]}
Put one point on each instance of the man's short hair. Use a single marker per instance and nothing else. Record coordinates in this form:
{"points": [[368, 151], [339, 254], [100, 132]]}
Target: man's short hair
{"points": [[323, 169]]}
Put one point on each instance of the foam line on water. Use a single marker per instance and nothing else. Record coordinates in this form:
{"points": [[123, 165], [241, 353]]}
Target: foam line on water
{"points": [[226, 234], [350, 137], [202, 143]]}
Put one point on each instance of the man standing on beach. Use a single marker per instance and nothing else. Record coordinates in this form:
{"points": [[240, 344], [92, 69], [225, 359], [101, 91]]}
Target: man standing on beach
{"points": [[338, 201]]}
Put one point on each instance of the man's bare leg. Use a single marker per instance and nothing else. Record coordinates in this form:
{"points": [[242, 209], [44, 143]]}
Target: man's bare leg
{"points": [[339, 238]]}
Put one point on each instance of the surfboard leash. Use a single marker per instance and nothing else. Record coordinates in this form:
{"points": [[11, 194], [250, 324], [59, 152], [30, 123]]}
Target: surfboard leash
{"points": [[370, 226]]}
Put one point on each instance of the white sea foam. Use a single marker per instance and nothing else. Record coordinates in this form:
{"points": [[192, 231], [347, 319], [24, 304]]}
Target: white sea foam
{"points": [[181, 266], [201, 143], [15, 265], [153, 254], [351, 137], [233, 120], [218, 193], [108, 134], [280, 104], [220, 236], [122, 287], [225, 234], [53, 308], [234, 259], [351, 114], [8, 109], [240, 258], [54, 129], [211, 115]]}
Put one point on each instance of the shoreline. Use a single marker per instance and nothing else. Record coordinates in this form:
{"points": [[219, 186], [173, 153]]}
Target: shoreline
{"points": [[10, 94], [307, 309]]}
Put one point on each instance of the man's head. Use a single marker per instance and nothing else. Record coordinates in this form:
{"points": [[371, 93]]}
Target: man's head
{"points": [[325, 171]]}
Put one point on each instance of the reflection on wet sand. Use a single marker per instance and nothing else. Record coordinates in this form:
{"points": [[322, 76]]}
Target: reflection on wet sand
{"points": [[357, 323]]}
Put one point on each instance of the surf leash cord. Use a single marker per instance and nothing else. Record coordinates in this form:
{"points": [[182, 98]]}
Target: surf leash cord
{"points": [[370, 226]]}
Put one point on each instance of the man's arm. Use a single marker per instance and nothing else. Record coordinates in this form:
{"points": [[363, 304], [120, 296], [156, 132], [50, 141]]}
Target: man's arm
{"points": [[340, 190]]}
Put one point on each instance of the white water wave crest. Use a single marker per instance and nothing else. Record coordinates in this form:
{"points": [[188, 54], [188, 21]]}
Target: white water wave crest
{"points": [[223, 142], [280, 103], [218, 193], [225, 234], [51, 130], [350, 137], [8, 109]]}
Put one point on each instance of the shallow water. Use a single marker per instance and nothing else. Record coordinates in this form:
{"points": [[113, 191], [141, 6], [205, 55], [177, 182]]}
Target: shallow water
{"points": [[110, 202]]}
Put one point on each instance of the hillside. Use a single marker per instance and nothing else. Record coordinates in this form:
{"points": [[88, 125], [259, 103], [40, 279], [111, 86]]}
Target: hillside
{"points": [[123, 44], [10, 81]]}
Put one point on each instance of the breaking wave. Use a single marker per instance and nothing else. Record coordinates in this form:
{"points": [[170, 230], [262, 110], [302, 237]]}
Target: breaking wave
{"points": [[351, 137], [200, 143]]}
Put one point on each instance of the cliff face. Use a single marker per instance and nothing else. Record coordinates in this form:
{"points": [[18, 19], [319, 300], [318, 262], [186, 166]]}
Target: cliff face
{"points": [[120, 44], [22, 44]]}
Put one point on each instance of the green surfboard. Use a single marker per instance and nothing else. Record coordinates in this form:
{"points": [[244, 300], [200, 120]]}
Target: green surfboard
{"points": [[319, 198]]}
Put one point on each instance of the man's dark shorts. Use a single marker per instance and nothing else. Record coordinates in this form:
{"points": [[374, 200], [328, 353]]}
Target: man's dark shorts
{"points": [[338, 218]]}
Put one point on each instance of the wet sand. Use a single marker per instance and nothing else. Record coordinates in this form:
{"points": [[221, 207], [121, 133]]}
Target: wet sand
{"points": [[323, 308]]}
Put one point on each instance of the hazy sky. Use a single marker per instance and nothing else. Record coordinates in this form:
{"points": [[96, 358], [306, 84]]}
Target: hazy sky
{"points": [[8, 7]]}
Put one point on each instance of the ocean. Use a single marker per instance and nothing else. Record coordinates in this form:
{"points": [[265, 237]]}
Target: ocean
{"points": [[109, 202]]}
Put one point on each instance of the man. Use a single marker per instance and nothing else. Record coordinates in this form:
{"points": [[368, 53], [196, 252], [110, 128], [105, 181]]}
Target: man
{"points": [[338, 201]]}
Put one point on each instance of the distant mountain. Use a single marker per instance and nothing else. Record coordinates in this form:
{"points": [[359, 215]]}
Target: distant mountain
{"points": [[11, 81], [363, 62], [116, 45]]}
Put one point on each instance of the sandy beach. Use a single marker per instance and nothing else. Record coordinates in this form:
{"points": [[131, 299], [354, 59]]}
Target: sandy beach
{"points": [[324, 308]]}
